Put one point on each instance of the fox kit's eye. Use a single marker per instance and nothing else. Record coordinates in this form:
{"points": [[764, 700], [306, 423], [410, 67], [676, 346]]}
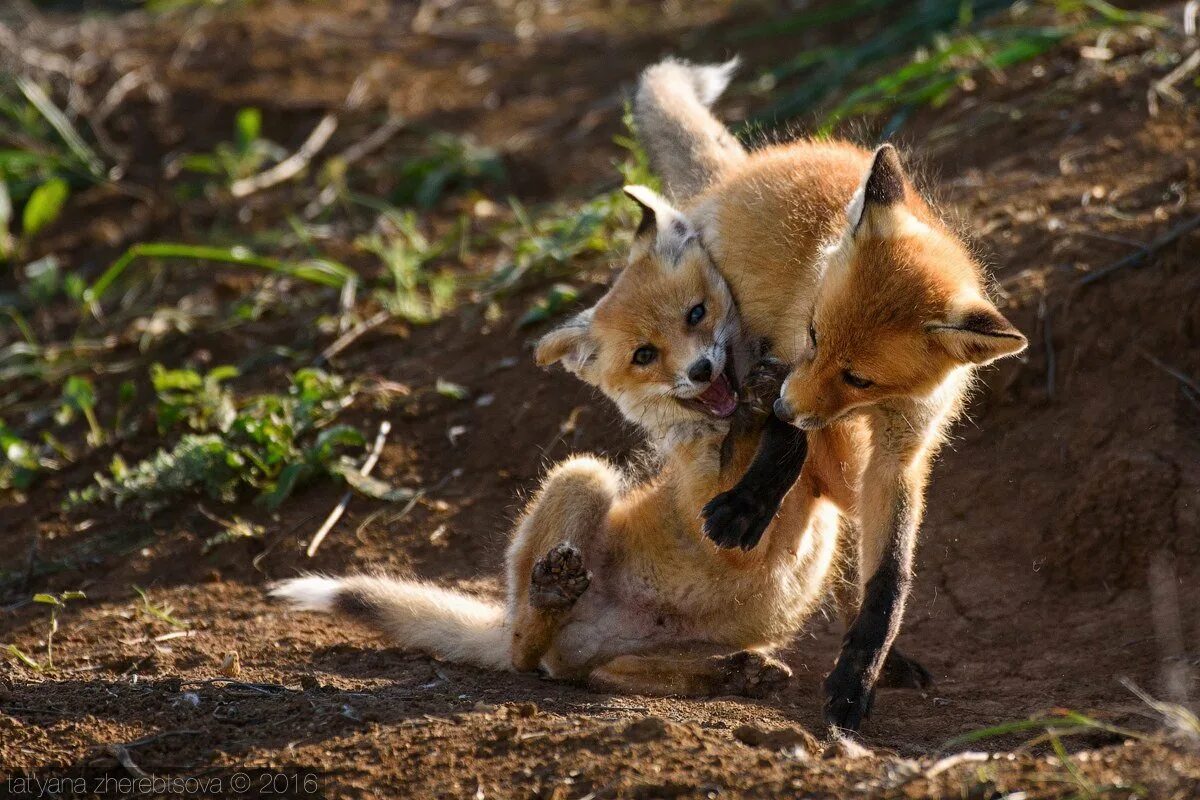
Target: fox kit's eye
{"points": [[812, 335], [857, 381], [696, 314], [644, 355]]}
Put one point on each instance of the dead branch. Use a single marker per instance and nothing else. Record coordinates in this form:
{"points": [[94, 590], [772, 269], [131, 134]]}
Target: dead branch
{"points": [[1136, 258], [351, 155], [349, 337], [1166, 86], [291, 166], [125, 760], [1188, 383], [298, 161]]}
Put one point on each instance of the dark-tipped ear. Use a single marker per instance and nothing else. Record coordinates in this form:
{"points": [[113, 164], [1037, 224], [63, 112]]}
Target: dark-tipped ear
{"points": [[662, 225], [978, 334], [649, 221], [570, 344], [883, 186]]}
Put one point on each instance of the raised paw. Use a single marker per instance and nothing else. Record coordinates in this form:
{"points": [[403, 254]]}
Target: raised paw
{"points": [[764, 381], [901, 672], [736, 519], [558, 579], [751, 674]]}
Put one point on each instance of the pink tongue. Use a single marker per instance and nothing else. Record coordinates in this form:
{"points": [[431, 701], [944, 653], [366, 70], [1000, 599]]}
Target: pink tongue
{"points": [[719, 397]]}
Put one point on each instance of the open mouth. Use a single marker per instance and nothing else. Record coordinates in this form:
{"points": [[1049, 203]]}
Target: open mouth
{"points": [[720, 399]]}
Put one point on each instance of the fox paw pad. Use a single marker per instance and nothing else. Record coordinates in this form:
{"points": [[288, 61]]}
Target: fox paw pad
{"points": [[736, 518], [752, 674], [558, 579]]}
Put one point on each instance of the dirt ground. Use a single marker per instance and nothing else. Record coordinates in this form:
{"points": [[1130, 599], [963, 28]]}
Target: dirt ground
{"points": [[1059, 556]]}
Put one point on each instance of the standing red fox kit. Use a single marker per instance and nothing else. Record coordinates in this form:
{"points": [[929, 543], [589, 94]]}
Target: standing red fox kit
{"points": [[833, 257]]}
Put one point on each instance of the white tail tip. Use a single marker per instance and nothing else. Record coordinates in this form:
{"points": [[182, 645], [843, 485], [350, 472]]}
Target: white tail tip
{"points": [[310, 593], [712, 79]]}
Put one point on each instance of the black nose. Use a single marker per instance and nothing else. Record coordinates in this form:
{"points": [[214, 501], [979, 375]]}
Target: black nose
{"points": [[701, 371], [783, 410]]}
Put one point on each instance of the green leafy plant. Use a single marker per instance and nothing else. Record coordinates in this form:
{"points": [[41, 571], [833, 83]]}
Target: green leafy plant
{"points": [[943, 40], [416, 294], [79, 397], [202, 401], [56, 603], [232, 530], [559, 297], [273, 444], [20, 462], [45, 281], [447, 164], [42, 158], [44, 206], [246, 155], [549, 243], [162, 613]]}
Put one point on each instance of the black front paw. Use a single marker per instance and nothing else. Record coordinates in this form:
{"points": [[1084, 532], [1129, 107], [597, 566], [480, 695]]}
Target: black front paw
{"points": [[736, 519], [848, 694], [764, 382]]}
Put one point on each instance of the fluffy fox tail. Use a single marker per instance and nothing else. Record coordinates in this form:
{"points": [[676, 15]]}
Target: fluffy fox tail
{"points": [[451, 625], [687, 145]]}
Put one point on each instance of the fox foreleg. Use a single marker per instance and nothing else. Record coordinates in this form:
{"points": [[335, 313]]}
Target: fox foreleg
{"points": [[893, 502]]}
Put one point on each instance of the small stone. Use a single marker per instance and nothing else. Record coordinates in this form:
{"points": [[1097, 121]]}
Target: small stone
{"points": [[787, 738], [843, 746], [525, 710], [231, 665], [646, 729]]}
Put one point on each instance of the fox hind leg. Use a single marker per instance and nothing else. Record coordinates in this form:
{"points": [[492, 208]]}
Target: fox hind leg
{"points": [[546, 573], [747, 673], [559, 578]]}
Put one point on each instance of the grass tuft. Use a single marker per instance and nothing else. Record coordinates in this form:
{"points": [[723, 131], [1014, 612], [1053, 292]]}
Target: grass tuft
{"points": [[272, 443]]}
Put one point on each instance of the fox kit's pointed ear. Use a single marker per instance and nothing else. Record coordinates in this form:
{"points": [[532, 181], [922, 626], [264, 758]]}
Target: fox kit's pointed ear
{"points": [[882, 188], [571, 344], [662, 227], [977, 334]]}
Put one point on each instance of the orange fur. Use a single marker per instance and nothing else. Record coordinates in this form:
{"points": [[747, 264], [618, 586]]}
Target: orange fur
{"points": [[833, 256]]}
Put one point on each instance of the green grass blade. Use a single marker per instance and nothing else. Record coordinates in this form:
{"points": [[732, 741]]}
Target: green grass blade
{"points": [[319, 271], [16, 653], [1119, 16], [1062, 724], [42, 102]]}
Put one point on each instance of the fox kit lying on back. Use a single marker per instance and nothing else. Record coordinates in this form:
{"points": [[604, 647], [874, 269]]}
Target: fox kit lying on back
{"points": [[617, 586], [833, 256]]}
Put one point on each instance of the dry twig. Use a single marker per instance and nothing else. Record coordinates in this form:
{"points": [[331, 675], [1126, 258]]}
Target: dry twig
{"points": [[291, 166], [372, 459], [349, 337], [1136, 258]]}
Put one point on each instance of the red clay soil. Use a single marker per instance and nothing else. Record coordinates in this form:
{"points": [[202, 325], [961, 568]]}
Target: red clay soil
{"points": [[1059, 555]]}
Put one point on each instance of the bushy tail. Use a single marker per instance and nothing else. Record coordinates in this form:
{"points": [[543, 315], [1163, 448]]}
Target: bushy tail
{"points": [[687, 145], [451, 625]]}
